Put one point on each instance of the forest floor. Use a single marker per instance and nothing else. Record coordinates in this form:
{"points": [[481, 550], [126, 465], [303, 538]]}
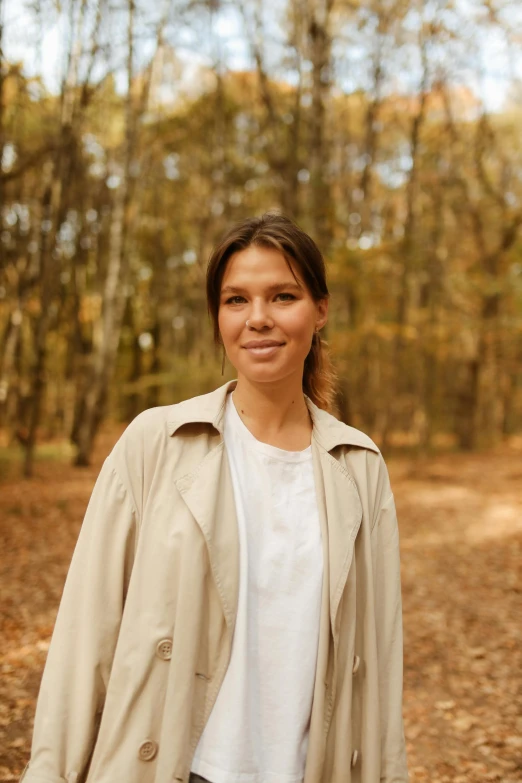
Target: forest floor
{"points": [[460, 520]]}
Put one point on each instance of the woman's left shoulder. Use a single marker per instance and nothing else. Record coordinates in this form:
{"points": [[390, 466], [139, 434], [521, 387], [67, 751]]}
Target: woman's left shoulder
{"points": [[334, 433], [360, 457]]}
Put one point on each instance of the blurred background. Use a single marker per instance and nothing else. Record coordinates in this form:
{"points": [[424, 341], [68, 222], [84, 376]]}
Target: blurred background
{"points": [[132, 134]]}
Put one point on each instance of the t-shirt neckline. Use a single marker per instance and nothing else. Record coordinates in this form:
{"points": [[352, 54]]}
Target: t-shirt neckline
{"points": [[265, 448]]}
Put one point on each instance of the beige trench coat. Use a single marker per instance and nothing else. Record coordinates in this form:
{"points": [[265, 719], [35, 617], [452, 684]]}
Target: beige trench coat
{"points": [[143, 634]]}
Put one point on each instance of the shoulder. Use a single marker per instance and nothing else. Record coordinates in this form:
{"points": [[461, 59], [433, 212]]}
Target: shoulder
{"points": [[359, 455], [147, 444], [201, 409], [333, 433], [366, 465], [163, 420], [353, 437], [151, 418], [145, 429]]}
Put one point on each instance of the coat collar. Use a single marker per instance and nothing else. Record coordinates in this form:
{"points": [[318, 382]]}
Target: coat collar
{"points": [[210, 409]]}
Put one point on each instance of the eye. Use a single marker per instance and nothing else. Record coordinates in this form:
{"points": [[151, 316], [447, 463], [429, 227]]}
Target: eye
{"points": [[290, 296], [231, 299]]}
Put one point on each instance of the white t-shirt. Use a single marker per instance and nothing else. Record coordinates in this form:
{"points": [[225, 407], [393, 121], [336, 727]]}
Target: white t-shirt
{"points": [[258, 729]]}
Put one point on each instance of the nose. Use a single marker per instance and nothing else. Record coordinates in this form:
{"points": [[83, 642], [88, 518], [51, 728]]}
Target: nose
{"points": [[259, 316]]}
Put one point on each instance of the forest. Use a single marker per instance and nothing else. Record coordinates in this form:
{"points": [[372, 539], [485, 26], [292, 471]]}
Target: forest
{"points": [[132, 136], [367, 122]]}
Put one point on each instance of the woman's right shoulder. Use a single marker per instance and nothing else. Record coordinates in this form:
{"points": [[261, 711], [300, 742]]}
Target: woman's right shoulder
{"points": [[156, 439], [153, 426], [156, 425], [147, 434]]}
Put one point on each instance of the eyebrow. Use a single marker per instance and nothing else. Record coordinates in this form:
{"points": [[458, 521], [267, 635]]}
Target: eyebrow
{"points": [[231, 289]]}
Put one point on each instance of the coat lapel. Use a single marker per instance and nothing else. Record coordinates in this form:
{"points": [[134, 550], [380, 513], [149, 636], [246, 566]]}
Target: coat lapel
{"points": [[344, 515], [208, 493], [340, 515]]}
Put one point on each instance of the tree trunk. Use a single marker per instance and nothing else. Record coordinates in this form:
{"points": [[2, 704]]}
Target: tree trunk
{"points": [[40, 332], [106, 350], [407, 254], [61, 172], [133, 400], [283, 158], [116, 280], [320, 45], [7, 364]]}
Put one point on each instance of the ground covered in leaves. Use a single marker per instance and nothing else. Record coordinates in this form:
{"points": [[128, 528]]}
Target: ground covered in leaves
{"points": [[461, 540]]}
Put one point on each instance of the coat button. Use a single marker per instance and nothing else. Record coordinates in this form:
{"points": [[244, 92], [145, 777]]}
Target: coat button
{"points": [[148, 750], [355, 756], [356, 664], [164, 649]]}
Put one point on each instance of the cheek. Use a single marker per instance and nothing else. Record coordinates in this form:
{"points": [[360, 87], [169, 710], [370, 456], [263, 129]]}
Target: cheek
{"points": [[300, 323], [230, 323]]}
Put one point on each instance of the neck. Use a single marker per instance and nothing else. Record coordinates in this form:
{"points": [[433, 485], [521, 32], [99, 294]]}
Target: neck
{"points": [[274, 412]]}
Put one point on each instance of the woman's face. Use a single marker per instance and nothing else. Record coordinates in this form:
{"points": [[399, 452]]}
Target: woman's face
{"points": [[258, 287]]}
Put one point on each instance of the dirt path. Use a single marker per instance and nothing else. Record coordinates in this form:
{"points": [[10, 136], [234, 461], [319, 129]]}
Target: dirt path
{"points": [[461, 541]]}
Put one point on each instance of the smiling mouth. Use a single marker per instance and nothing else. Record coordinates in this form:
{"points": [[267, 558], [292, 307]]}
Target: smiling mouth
{"points": [[263, 350]]}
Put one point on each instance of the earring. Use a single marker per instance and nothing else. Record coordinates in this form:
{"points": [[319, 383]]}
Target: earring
{"points": [[223, 361]]}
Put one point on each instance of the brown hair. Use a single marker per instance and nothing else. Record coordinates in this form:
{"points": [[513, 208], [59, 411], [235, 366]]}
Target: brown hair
{"points": [[273, 230]]}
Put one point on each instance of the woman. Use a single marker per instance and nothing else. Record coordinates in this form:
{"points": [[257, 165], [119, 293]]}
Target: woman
{"points": [[232, 611]]}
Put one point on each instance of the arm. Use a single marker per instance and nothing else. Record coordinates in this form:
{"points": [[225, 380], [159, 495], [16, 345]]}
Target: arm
{"points": [[388, 617], [79, 661]]}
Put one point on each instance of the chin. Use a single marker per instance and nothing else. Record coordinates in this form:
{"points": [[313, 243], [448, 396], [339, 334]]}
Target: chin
{"points": [[264, 373]]}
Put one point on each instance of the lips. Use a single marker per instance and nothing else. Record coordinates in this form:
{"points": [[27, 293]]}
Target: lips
{"points": [[262, 348], [262, 344]]}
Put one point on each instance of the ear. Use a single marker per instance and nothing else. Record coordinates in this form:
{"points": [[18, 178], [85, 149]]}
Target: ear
{"points": [[321, 315]]}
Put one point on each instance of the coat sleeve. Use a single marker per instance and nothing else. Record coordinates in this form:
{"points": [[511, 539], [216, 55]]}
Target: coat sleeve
{"points": [[388, 614], [78, 665]]}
